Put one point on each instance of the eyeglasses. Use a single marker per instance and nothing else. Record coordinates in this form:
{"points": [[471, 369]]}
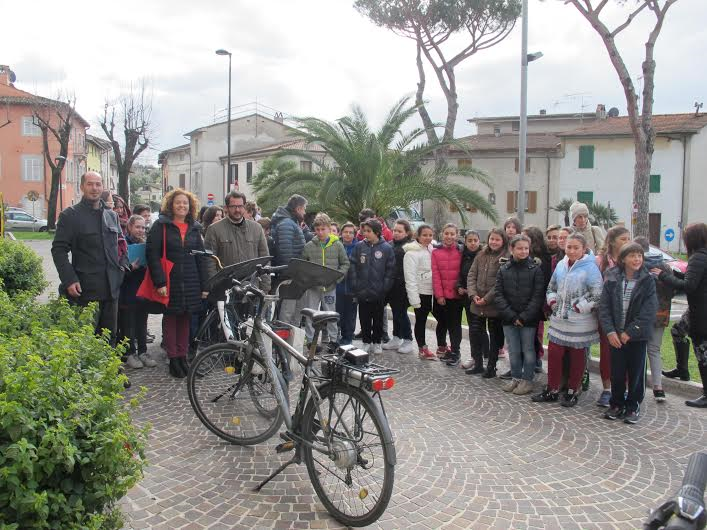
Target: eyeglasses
{"points": [[237, 206]]}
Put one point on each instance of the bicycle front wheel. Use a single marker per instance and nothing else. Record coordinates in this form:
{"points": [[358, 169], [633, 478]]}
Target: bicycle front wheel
{"points": [[221, 385], [354, 476]]}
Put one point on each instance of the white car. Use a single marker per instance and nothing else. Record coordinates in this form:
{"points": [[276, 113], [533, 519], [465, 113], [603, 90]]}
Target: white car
{"points": [[413, 216], [17, 220]]}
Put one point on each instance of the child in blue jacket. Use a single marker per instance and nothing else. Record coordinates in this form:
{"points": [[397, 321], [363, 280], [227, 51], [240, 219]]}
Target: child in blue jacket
{"points": [[346, 306], [372, 274]]}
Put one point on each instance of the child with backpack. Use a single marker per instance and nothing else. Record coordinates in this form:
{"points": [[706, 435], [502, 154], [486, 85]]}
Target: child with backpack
{"points": [[417, 266], [372, 274], [627, 312], [447, 306], [397, 296], [573, 293], [324, 249]]}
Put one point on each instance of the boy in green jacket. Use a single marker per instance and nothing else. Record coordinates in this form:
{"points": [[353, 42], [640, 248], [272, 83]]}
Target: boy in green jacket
{"points": [[324, 249]]}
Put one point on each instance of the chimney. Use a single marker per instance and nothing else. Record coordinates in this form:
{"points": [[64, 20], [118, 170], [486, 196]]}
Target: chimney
{"points": [[543, 112], [601, 111], [5, 75]]}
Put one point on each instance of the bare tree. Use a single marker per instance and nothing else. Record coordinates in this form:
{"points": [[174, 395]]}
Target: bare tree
{"points": [[55, 118], [134, 110], [640, 120], [430, 24]]}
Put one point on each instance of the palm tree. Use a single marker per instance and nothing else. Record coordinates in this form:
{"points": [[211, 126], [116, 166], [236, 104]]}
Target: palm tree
{"points": [[604, 216], [382, 170], [564, 207]]}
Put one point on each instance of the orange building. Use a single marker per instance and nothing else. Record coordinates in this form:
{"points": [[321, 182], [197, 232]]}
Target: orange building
{"points": [[23, 165]]}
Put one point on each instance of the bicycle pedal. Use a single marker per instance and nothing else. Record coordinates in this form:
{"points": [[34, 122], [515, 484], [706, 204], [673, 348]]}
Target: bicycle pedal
{"points": [[284, 447], [285, 437]]}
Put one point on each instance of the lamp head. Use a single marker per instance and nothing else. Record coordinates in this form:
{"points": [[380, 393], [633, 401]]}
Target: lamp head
{"points": [[221, 51], [534, 56]]}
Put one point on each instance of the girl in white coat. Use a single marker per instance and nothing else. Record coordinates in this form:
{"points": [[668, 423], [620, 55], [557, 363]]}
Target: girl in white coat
{"points": [[417, 266]]}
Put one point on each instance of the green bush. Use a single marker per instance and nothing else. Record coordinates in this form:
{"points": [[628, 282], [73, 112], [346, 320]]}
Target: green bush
{"points": [[68, 448], [20, 268]]}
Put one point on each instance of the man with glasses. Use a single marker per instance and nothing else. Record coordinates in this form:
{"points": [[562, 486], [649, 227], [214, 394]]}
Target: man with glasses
{"points": [[235, 239]]}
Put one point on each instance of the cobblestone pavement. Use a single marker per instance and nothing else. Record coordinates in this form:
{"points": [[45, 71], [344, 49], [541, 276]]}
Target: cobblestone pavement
{"points": [[469, 456]]}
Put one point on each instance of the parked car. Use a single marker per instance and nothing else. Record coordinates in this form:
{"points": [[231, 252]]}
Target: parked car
{"points": [[675, 263], [19, 220], [413, 216]]}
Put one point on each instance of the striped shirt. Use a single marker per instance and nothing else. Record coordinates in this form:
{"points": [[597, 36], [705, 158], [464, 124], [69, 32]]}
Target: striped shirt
{"points": [[628, 289]]}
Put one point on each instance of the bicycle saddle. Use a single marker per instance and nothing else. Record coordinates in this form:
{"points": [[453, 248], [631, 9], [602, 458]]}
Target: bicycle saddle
{"points": [[320, 317]]}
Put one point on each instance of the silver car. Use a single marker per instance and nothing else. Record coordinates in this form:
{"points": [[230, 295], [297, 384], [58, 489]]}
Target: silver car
{"points": [[22, 221]]}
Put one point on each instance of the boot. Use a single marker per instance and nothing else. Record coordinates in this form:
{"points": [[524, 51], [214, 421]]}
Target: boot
{"points": [[175, 368], [183, 365], [700, 402], [491, 366], [682, 353]]}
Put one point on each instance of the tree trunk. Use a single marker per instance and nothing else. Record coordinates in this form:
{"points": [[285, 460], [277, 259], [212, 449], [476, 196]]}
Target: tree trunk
{"points": [[420, 102], [124, 183], [53, 198]]}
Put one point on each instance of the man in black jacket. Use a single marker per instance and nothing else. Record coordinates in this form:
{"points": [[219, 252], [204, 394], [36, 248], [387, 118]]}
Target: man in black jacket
{"points": [[92, 234]]}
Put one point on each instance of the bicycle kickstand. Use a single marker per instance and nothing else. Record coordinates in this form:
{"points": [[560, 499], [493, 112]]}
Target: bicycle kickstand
{"points": [[294, 460]]}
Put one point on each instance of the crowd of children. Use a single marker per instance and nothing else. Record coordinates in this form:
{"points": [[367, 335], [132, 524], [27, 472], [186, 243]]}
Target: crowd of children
{"points": [[593, 288]]}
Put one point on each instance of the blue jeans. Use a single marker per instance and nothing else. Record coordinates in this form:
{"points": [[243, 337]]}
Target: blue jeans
{"points": [[521, 350], [347, 310]]}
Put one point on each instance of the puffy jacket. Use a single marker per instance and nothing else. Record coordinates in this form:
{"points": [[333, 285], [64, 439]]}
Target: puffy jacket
{"points": [[330, 254], [573, 293], [386, 233], [640, 316], [417, 265], [288, 236], [520, 291], [467, 261], [481, 281], [695, 286], [344, 286], [189, 274], [446, 264], [663, 290], [372, 270]]}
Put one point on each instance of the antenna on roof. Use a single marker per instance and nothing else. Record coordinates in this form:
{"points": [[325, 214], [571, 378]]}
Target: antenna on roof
{"points": [[698, 106]]}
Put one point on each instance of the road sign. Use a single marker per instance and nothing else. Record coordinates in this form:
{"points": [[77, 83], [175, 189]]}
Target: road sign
{"points": [[210, 202], [210, 196], [669, 235]]}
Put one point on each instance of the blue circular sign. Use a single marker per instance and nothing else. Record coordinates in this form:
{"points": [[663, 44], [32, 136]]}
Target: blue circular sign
{"points": [[669, 234], [211, 203]]}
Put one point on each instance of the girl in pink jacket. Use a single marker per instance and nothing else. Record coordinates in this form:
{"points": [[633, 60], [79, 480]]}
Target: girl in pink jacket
{"points": [[448, 304]]}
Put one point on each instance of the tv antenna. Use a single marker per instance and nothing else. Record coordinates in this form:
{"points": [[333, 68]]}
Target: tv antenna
{"points": [[698, 106]]}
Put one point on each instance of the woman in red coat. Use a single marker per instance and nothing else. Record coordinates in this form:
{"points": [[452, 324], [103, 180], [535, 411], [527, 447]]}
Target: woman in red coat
{"points": [[448, 304]]}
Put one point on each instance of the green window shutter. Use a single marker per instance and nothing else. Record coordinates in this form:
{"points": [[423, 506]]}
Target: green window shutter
{"points": [[587, 197], [586, 156], [654, 186]]}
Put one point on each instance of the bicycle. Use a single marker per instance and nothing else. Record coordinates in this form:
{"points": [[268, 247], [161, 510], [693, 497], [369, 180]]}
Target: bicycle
{"points": [[339, 428]]}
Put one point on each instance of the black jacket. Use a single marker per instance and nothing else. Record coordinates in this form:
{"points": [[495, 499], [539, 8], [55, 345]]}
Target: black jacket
{"points": [[91, 235], [132, 281], [399, 251], [467, 261], [189, 274], [520, 292], [640, 316], [695, 286], [372, 270]]}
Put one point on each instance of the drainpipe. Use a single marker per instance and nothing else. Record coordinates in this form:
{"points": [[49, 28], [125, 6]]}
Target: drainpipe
{"points": [[682, 195], [547, 202]]}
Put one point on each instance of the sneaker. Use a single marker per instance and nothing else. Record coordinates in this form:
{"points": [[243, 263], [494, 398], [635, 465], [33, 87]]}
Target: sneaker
{"points": [[546, 395], [614, 413], [475, 370], [146, 360], [406, 347], [454, 361], [427, 355], [367, 348], [385, 338], [448, 356], [442, 351], [631, 417], [506, 375], [585, 381], [376, 349], [511, 385], [523, 388], [659, 395], [604, 399], [393, 344], [134, 362], [469, 363], [570, 398]]}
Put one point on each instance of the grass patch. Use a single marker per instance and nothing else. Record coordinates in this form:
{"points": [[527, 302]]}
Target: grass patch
{"points": [[36, 236]]}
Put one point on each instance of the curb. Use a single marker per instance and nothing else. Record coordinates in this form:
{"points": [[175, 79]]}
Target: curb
{"points": [[689, 389]]}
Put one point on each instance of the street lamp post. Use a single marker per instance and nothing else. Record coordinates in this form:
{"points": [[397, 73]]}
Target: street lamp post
{"points": [[525, 58], [221, 51]]}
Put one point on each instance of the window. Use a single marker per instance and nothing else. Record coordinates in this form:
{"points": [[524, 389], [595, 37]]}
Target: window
{"points": [[515, 126], [464, 163], [497, 130], [248, 171], [492, 198], [527, 164], [531, 201], [29, 128], [182, 180], [32, 167], [181, 157], [654, 186], [197, 183], [196, 147], [305, 166], [587, 197], [234, 173], [586, 156]]}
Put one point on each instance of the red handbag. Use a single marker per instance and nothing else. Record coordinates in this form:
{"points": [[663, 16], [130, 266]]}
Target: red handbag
{"points": [[147, 289]]}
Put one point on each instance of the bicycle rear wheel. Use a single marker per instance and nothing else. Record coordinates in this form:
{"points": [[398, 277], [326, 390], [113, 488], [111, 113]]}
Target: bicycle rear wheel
{"points": [[354, 481], [221, 385]]}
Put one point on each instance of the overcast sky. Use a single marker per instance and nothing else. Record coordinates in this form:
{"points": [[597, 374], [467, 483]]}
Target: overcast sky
{"points": [[317, 57]]}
